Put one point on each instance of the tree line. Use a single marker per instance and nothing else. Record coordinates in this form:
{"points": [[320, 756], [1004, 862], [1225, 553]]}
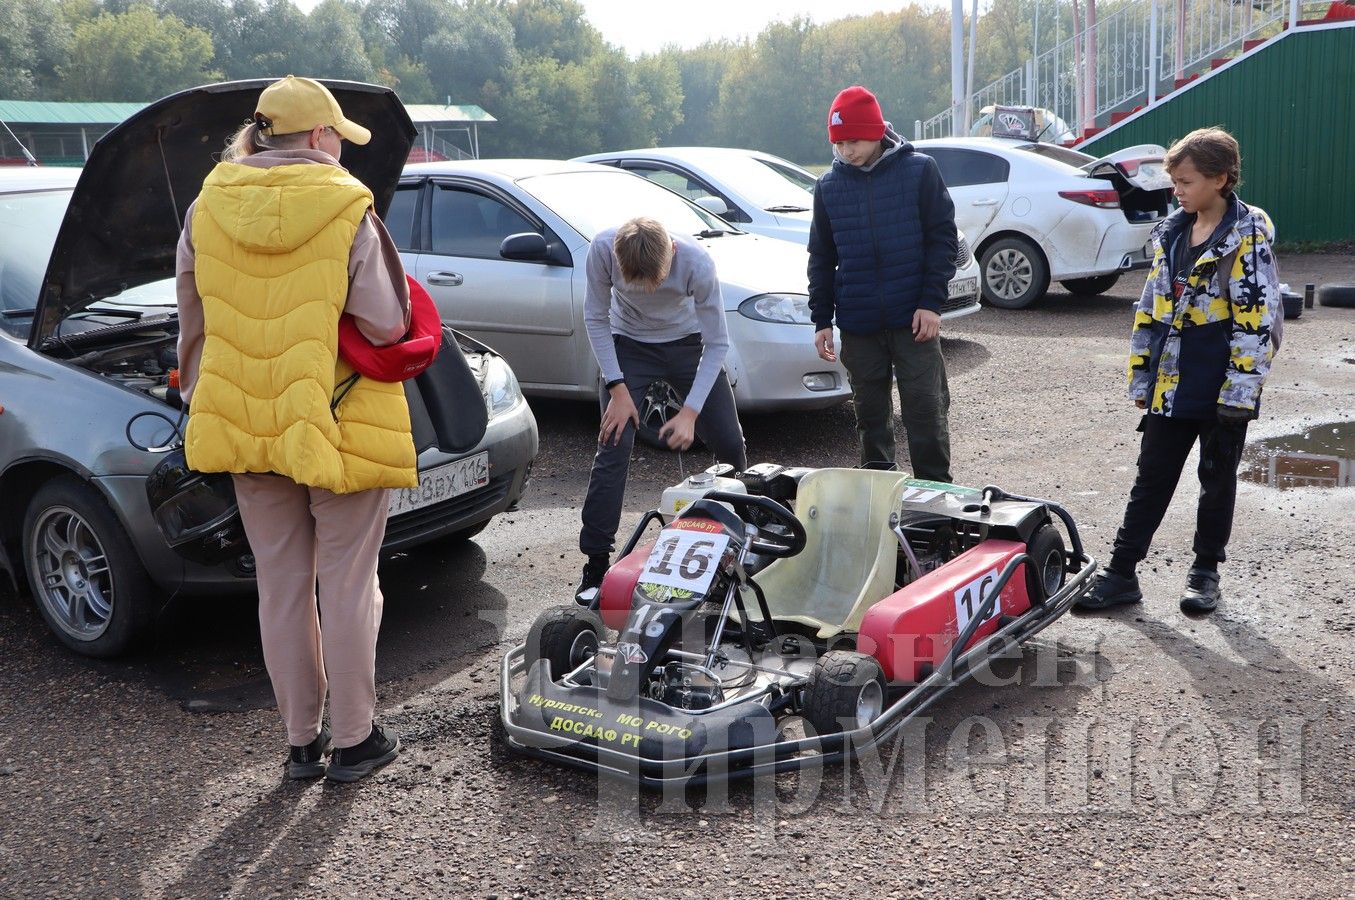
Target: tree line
{"points": [[557, 88]]}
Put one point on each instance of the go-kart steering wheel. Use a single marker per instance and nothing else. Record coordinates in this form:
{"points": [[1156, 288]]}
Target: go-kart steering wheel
{"points": [[767, 543]]}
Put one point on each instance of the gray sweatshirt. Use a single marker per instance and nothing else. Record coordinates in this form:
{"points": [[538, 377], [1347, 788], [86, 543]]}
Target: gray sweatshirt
{"points": [[687, 302]]}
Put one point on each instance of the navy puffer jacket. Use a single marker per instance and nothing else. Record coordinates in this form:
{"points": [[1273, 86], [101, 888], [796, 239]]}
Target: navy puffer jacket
{"points": [[882, 243]]}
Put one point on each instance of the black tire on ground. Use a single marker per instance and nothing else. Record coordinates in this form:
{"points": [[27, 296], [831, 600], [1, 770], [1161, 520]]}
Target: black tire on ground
{"points": [[1293, 304], [660, 403], [564, 636], [1048, 567], [1013, 273], [1342, 295], [1090, 287], [845, 688], [85, 575]]}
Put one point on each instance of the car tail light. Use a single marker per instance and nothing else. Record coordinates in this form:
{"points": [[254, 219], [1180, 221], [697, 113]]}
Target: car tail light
{"points": [[1102, 199]]}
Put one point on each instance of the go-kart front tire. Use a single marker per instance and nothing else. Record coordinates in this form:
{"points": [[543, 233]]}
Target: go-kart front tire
{"points": [[845, 688], [564, 636], [1048, 569]]}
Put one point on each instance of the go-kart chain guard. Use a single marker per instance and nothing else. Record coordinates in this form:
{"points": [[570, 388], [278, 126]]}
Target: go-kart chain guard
{"points": [[770, 756]]}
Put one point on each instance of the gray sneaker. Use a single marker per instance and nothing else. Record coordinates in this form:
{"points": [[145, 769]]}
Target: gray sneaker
{"points": [[1202, 591], [1110, 589]]}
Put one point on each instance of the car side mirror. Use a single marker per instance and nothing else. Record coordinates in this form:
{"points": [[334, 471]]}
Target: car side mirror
{"points": [[528, 246], [712, 204]]}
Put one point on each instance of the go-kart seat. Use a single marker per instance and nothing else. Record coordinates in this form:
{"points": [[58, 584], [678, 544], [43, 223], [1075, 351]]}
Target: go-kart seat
{"points": [[850, 555]]}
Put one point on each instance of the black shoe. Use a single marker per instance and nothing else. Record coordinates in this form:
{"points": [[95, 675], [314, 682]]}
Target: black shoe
{"points": [[586, 594], [352, 763], [1202, 591], [1110, 589], [309, 761]]}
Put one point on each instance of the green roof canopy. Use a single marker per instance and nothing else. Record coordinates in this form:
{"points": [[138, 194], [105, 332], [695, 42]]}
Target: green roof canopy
{"points": [[50, 112]]}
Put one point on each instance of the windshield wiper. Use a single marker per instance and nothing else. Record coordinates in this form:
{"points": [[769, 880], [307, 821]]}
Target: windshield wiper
{"points": [[787, 208], [17, 313], [714, 233]]}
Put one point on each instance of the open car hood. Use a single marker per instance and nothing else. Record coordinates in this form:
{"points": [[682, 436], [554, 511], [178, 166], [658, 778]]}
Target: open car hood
{"points": [[1142, 166], [125, 216]]}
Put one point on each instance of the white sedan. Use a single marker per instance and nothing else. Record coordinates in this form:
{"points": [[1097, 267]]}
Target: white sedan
{"points": [[501, 244], [1036, 212], [763, 194]]}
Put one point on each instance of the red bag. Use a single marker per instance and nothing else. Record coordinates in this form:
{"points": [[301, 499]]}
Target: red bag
{"points": [[399, 361]]}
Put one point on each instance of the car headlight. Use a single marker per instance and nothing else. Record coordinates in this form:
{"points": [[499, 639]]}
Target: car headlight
{"points": [[787, 309], [500, 385]]}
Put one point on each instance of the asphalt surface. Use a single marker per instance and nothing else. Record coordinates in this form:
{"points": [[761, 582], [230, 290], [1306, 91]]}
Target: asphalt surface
{"points": [[1130, 754]]}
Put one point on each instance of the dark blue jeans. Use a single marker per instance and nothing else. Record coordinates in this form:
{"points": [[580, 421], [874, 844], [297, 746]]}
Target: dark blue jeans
{"points": [[717, 425]]}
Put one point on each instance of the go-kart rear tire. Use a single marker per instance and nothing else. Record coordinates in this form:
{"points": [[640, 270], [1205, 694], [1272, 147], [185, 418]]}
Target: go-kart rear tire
{"points": [[1049, 558], [845, 688], [660, 403], [564, 636]]}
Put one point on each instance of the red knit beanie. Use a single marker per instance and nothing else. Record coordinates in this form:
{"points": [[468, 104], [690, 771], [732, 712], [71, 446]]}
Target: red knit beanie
{"points": [[855, 116]]}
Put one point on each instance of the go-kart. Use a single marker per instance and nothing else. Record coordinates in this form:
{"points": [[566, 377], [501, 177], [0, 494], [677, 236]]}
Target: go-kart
{"points": [[785, 617]]}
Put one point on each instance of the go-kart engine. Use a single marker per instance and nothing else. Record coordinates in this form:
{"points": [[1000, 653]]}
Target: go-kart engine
{"points": [[686, 687]]}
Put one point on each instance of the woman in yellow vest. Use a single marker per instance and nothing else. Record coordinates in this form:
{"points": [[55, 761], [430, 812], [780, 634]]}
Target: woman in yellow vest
{"points": [[281, 242]]}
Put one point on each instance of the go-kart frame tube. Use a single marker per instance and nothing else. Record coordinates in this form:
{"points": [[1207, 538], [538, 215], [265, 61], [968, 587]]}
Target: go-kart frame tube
{"points": [[785, 756]]}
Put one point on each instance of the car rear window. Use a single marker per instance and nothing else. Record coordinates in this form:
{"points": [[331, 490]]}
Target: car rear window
{"points": [[964, 167]]}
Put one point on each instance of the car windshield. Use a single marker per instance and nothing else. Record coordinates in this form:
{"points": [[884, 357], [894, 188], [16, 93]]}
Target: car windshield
{"points": [[770, 185], [28, 226], [29, 222], [593, 201]]}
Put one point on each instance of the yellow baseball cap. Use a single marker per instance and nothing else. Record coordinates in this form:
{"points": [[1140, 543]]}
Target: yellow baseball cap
{"points": [[295, 104]]}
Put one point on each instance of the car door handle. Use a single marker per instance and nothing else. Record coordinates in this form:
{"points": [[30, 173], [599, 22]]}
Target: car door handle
{"points": [[984, 203], [451, 279]]}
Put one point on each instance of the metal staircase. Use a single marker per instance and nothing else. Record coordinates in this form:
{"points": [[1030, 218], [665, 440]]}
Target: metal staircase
{"points": [[1134, 58]]}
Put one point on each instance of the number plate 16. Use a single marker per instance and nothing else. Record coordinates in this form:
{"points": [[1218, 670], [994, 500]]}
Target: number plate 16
{"points": [[686, 560]]}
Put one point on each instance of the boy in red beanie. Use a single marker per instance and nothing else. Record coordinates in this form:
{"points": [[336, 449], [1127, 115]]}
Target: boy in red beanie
{"points": [[882, 249]]}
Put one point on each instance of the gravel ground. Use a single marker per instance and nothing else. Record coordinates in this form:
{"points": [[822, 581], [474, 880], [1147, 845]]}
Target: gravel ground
{"points": [[1131, 754]]}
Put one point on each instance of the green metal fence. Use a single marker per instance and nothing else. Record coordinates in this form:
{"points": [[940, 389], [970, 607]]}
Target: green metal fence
{"points": [[1290, 106]]}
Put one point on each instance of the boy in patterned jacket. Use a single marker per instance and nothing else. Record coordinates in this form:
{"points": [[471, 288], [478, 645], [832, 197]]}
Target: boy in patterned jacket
{"points": [[1199, 354]]}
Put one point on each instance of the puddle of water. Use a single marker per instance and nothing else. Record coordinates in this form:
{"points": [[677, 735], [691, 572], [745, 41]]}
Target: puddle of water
{"points": [[1322, 456]]}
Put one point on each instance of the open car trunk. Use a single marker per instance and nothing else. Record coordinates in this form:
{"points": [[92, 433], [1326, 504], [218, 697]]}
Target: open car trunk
{"points": [[1140, 178]]}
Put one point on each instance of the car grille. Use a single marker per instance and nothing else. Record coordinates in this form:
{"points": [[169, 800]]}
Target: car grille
{"points": [[954, 303], [454, 509], [962, 255]]}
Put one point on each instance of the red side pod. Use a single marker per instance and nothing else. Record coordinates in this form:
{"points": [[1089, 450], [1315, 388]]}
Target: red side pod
{"points": [[618, 586], [918, 625]]}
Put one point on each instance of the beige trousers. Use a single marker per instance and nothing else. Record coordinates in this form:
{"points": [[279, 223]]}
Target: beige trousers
{"points": [[300, 534]]}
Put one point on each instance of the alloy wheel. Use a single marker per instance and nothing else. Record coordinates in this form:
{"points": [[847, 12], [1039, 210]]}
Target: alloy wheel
{"points": [[1009, 274], [74, 574]]}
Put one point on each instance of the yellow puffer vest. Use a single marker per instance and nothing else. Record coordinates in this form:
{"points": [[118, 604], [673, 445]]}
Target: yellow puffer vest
{"points": [[272, 247]]}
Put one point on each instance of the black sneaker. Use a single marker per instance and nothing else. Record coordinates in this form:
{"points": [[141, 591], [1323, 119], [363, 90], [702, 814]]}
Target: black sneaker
{"points": [[309, 761], [1110, 589], [353, 763], [1202, 591], [586, 594]]}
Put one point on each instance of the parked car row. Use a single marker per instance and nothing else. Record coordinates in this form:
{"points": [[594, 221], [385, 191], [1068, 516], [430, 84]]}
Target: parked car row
{"points": [[765, 195], [1031, 211]]}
